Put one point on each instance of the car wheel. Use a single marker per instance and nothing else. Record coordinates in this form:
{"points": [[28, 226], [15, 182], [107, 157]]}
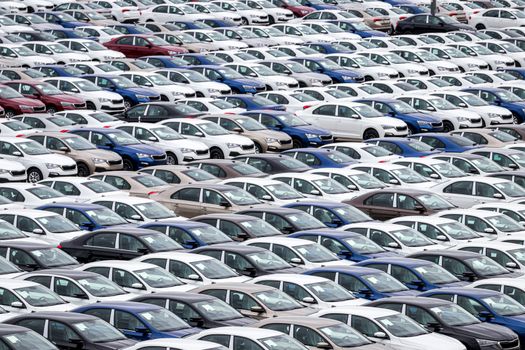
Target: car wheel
{"points": [[51, 109], [271, 20], [34, 175], [171, 159], [368, 78], [91, 105], [258, 148], [164, 98], [296, 143], [480, 26], [447, 126], [127, 164], [199, 94], [244, 21], [370, 134], [83, 170], [9, 113], [127, 103], [516, 119], [216, 153], [431, 72], [411, 130]]}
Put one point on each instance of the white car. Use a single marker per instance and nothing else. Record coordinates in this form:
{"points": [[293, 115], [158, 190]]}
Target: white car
{"points": [[491, 115], [392, 88], [509, 255], [497, 18], [443, 231], [466, 192], [90, 287], [324, 27], [353, 121], [34, 21], [487, 223], [275, 14], [203, 86], [363, 152], [211, 105], [293, 101], [138, 277], [364, 65], [32, 195], [216, 40], [196, 269], [136, 210], [392, 60], [104, 34], [249, 16], [313, 291], [222, 143], [178, 148], [96, 98], [265, 75], [168, 90], [23, 56], [513, 287], [95, 68], [266, 53], [90, 118], [432, 62], [430, 84], [462, 60], [266, 190], [28, 297], [96, 51], [417, 40], [461, 80], [39, 162], [495, 61], [325, 94], [121, 11], [515, 211], [269, 32], [393, 174], [217, 12], [81, 188], [470, 163], [175, 343], [46, 122], [47, 226], [234, 56], [354, 180], [431, 168], [390, 328], [7, 25], [299, 252], [169, 13], [505, 48], [393, 237], [56, 51], [358, 90], [12, 127], [303, 32]]}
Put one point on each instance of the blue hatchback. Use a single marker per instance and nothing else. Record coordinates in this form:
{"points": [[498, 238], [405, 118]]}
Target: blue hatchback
{"points": [[337, 73], [347, 245], [359, 28], [328, 48], [502, 98], [59, 71], [135, 155], [332, 214], [130, 92], [61, 18], [320, 157], [416, 121], [165, 61], [446, 142], [250, 102], [516, 72], [364, 282], [140, 321], [70, 33], [87, 216], [199, 59], [415, 273], [131, 29], [487, 305], [189, 234], [404, 147], [302, 133], [237, 82], [187, 25]]}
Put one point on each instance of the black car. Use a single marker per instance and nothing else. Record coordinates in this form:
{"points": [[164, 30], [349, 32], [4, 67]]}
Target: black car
{"points": [[157, 111], [447, 318], [248, 260], [71, 330], [29, 256], [238, 227], [272, 163], [286, 220], [427, 23], [516, 176], [123, 243], [198, 310], [467, 266]]}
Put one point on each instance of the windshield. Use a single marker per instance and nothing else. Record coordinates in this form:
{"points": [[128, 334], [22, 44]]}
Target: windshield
{"points": [[61, 121], [448, 170], [229, 73], [78, 143], [502, 136], [213, 269], [16, 125], [106, 217], [408, 175], [8, 93], [486, 165], [504, 305], [209, 234], [122, 138], [27, 341], [377, 151], [363, 245], [158, 278], [240, 197], [44, 192], [507, 96], [268, 261], [504, 223], [277, 300], [486, 266], [164, 320], [316, 253], [280, 342], [213, 129], [198, 175], [441, 104], [32, 148], [304, 221], [154, 210], [250, 124], [433, 201], [103, 117], [344, 336], [98, 331], [435, 274], [100, 286], [329, 291], [161, 242], [39, 295], [401, 326], [454, 315], [330, 186], [8, 231], [259, 228], [459, 231], [351, 214], [217, 310], [57, 224], [511, 189], [411, 238], [384, 283], [367, 181], [86, 85], [291, 120], [149, 180], [245, 169]]}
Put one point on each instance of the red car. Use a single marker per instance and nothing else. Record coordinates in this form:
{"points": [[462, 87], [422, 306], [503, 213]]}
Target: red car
{"points": [[15, 103], [134, 46], [54, 99], [294, 6]]}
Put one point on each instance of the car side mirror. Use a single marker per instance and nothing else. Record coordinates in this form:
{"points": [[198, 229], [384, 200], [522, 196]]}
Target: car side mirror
{"points": [[135, 217], [380, 335], [315, 192], [488, 230], [511, 265], [323, 345], [470, 276], [441, 238], [225, 204], [498, 195], [109, 144], [237, 129], [497, 102], [199, 134], [418, 283], [430, 108], [419, 208], [194, 277], [79, 343], [63, 149], [394, 182], [137, 285], [352, 187], [394, 245], [196, 321], [486, 315], [17, 153], [308, 300], [434, 176], [249, 271], [296, 261], [17, 304], [38, 231], [266, 197], [434, 326], [258, 309], [152, 138], [75, 90], [143, 330], [513, 166], [462, 105]]}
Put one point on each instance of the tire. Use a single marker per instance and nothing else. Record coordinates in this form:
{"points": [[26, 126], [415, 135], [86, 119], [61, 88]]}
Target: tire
{"points": [[411, 130], [368, 78], [401, 75], [127, 164], [302, 84], [216, 153], [83, 170], [447, 126], [268, 88], [51, 109], [91, 105], [171, 159], [164, 98], [9, 113], [199, 94], [244, 21], [480, 26], [34, 175], [515, 119], [271, 20], [296, 143], [127, 103], [370, 134], [461, 70], [258, 148], [431, 72], [517, 64]]}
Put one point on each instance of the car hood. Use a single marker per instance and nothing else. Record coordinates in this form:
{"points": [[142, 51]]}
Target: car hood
{"points": [[296, 270], [270, 133], [185, 143], [241, 140], [388, 121], [404, 293], [454, 284], [487, 331], [247, 82], [335, 263], [425, 117], [26, 101], [142, 148], [143, 91], [117, 344], [239, 279], [181, 288], [120, 297], [353, 302], [103, 154], [305, 311], [54, 159], [68, 98], [310, 129], [59, 307], [432, 341], [181, 333], [239, 322], [382, 255], [345, 72]]}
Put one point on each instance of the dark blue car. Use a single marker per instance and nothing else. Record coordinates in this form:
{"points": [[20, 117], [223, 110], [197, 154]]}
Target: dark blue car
{"points": [[61, 18], [70, 33], [502, 98], [487, 305], [217, 22], [446, 142], [359, 28], [302, 133], [364, 282], [130, 29], [346, 244], [328, 48], [516, 72], [135, 154], [140, 321], [404, 147], [417, 122], [237, 82], [189, 234], [87, 216], [318, 5], [130, 92], [337, 73], [332, 214], [320, 157], [199, 59], [408, 7], [250, 102], [59, 71], [165, 61], [187, 25], [415, 273]]}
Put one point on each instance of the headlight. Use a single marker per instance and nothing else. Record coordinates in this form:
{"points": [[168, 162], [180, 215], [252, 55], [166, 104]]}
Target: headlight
{"points": [[143, 155], [420, 122], [472, 65], [280, 83], [312, 136], [213, 91], [413, 71], [382, 74], [142, 97], [3, 171], [442, 68], [248, 87], [98, 160], [304, 12], [102, 100], [463, 119], [186, 150], [67, 104], [314, 81], [26, 107], [388, 126], [254, 16], [486, 342], [346, 77], [233, 145], [494, 115], [177, 93], [270, 140], [499, 62], [52, 166]]}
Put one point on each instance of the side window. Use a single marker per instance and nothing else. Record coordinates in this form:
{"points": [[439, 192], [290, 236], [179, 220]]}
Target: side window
{"points": [[420, 315], [241, 343], [67, 288], [103, 240], [295, 291], [307, 336], [36, 325], [515, 293], [242, 301], [125, 320], [217, 293], [187, 194], [403, 274], [470, 305], [351, 283], [365, 326], [125, 279], [223, 340], [460, 187]]}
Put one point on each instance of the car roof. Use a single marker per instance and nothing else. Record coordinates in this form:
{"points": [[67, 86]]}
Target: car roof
{"points": [[353, 270], [230, 247], [186, 296], [421, 301], [247, 287], [226, 216], [313, 322], [127, 305], [408, 262], [289, 277], [122, 264], [474, 292], [67, 317], [460, 254], [7, 329], [71, 273], [79, 206]]}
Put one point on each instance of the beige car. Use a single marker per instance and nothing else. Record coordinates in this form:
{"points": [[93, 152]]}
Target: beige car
{"points": [[180, 174], [89, 158], [199, 199], [487, 137], [256, 300], [372, 18], [136, 183], [264, 139]]}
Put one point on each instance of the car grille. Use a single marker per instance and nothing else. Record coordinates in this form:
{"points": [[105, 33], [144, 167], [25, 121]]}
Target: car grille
{"points": [[114, 162], [189, 95], [484, 66], [226, 92], [325, 137], [513, 344], [423, 73], [507, 116], [17, 173], [161, 157], [293, 86], [393, 76], [285, 142], [260, 89], [39, 109], [401, 128], [68, 167], [510, 64], [117, 101], [437, 125], [326, 82], [80, 105], [154, 98], [49, 7], [247, 147], [201, 152]]}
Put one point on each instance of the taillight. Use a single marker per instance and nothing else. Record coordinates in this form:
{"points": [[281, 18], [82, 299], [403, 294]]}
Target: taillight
{"points": [[307, 106], [59, 246], [107, 126], [19, 135], [376, 19], [64, 130], [382, 161], [152, 192], [124, 10], [475, 11], [402, 17], [453, 14]]}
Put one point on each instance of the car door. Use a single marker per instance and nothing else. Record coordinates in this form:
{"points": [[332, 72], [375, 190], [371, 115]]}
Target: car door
{"points": [[213, 202], [460, 193], [101, 246], [380, 206], [186, 202]]}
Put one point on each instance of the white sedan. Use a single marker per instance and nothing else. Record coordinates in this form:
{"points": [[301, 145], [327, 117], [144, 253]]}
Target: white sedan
{"points": [[28, 297], [136, 210], [81, 188]]}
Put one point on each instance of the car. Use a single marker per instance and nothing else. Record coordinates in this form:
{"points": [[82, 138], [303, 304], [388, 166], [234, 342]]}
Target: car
{"points": [[45, 122], [332, 214], [354, 180], [14, 103], [508, 157], [504, 253], [25, 57], [286, 220], [303, 75], [364, 282], [176, 174], [266, 190], [272, 163], [320, 158], [234, 80], [512, 210], [91, 48], [460, 80], [24, 337], [215, 41], [425, 23], [135, 210], [31, 195], [155, 112], [196, 269], [298, 252], [447, 318], [135, 155], [431, 168], [90, 118], [393, 174], [203, 86], [486, 137], [446, 142], [58, 52], [137, 277], [328, 67], [65, 33], [136, 183], [517, 131], [151, 321], [405, 147], [168, 90], [470, 163], [227, 168], [255, 102], [461, 59], [503, 98], [264, 301], [137, 45]]}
